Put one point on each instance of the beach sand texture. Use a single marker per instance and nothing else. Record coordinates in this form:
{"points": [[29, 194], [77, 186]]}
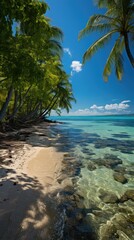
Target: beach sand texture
{"points": [[27, 206]]}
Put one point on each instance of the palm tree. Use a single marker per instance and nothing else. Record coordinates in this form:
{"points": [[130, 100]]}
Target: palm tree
{"points": [[118, 19], [62, 96]]}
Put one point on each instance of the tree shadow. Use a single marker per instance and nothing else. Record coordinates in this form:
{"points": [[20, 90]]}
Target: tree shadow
{"points": [[28, 210]]}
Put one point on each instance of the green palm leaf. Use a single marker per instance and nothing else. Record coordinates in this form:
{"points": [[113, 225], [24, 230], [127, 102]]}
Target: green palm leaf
{"points": [[115, 52], [94, 24], [119, 66], [98, 44], [105, 3]]}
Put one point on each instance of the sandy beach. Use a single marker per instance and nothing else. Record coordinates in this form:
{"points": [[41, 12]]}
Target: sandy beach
{"points": [[29, 188], [46, 191]]}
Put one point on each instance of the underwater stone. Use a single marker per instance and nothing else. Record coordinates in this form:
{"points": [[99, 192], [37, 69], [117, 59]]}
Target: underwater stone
{"points": [[107, 232], [122, 235], [119, 177], [120, 169], [128, 195], [108, 197], [123, 225], [91, 166], [108, 162], [131, 218]]}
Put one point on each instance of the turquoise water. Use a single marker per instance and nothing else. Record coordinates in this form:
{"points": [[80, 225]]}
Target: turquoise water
{"points": [[105, 146]]}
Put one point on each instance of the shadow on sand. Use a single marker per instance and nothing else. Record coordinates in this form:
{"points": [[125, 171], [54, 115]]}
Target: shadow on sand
{"points": [[28, 211]]}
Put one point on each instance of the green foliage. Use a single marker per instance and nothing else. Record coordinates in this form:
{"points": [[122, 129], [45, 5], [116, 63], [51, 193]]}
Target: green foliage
{"points": [[30, 61]]}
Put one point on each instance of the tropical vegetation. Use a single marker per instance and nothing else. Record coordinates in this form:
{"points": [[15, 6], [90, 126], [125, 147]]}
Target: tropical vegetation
{"points": [[117, 20], [32, 79]]}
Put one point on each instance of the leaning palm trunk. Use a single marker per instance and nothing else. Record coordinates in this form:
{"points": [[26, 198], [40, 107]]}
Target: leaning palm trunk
{"points": [[16, 97], [128, 49], [17, 107], [51, 107], [5, 104], [33, 114]]}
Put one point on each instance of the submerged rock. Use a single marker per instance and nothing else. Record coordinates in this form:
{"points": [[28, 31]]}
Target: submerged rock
{"points": [[131, 218], [118, 227], [122, 235], [107, 232], [109, 161], [125, 146], [119, 177], [128, 195], [123, 226], [91, 166], [120, 169], [108, 197]]}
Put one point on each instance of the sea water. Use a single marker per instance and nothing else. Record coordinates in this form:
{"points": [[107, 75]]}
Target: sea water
{"points": [[105, 147]]}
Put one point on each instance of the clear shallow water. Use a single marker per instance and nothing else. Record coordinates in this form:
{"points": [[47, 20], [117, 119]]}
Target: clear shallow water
{"points": [[105, 146]]}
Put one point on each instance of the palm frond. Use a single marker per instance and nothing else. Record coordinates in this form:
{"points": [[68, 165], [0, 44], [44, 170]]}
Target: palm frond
{"points": [[94, 28], [55, 47], [86, 30], [119, 17], [96, 23], [105, 3], [119, 66], [56, 33], [96, 45], [118, 47], [112, 12], [126, 6], [101, 17]]}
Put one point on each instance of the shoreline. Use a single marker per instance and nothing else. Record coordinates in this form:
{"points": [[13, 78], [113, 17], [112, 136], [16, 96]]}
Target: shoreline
{"points": [[38, 199], [48, 199]]}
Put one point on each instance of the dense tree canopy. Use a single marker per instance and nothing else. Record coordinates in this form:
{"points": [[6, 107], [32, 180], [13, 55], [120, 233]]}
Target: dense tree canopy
{"points": [[31, 73], [118, 19]]}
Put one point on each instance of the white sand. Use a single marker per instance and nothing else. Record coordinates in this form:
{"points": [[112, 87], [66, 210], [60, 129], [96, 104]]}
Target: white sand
{"points": [[27, 208]]}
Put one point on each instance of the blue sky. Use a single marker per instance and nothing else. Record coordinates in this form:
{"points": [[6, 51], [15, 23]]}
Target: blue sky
{"points": [[93, 95]]}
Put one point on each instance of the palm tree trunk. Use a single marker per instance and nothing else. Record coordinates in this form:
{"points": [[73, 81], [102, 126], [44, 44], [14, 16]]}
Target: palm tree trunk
{"points": [[5, 104], [50, 108], [16, 97], [131, 59], [17, 108], [43, 113], [33, 114]]}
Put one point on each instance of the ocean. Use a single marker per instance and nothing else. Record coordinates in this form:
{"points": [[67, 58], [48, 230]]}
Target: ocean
{"points": [[104, 146]]}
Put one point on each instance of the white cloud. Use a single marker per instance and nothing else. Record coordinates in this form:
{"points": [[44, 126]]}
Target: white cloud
{"points": [[113, 106], [107, 109], [126, 101], [117, 106], [97, 107], [76, 66], [67, 50]]}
